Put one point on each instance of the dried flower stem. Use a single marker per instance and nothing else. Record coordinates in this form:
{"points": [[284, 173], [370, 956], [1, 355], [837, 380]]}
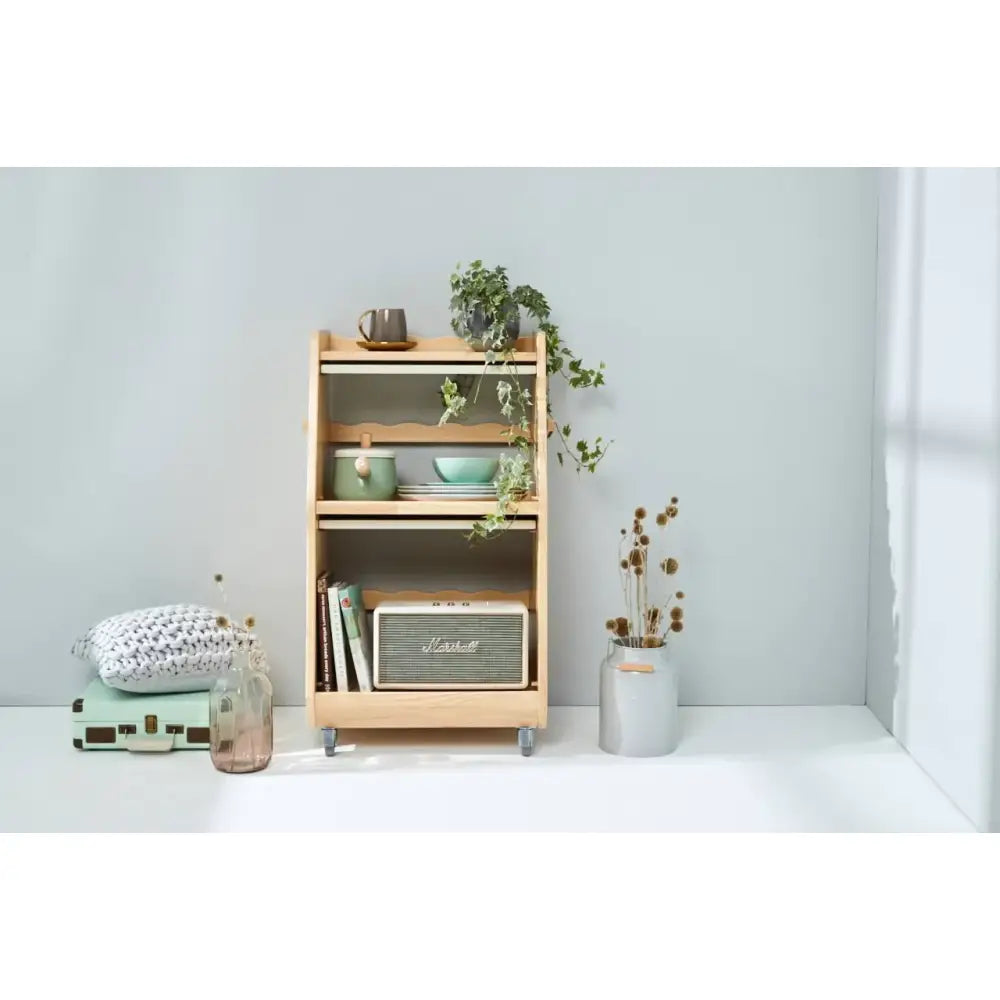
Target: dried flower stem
{"points": [[648, 624]]}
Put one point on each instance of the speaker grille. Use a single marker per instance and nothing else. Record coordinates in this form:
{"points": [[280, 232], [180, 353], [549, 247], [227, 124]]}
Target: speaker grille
{"points": [[409, 650]]}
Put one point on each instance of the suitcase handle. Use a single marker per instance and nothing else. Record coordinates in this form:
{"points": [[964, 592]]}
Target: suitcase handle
{"points": [[149, 744]]}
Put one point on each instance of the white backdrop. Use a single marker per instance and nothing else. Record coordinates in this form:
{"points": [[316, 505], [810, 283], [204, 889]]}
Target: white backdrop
{"points": [[154, 329]]}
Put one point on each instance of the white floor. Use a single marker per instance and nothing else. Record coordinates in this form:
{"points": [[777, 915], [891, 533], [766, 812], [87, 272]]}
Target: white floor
{"points": [[737, 769]]}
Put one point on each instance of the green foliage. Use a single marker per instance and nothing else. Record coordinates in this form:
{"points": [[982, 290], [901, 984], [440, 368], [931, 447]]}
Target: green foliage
{"points": [[453, 400], [489, 291]]}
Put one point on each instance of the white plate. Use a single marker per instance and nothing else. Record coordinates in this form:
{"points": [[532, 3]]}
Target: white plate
{"points": [[447, 486], [487, 491], [448, 496]]}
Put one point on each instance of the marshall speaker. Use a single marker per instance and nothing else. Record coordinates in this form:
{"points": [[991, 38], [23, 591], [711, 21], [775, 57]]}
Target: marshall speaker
{"points": [[456, 645]]}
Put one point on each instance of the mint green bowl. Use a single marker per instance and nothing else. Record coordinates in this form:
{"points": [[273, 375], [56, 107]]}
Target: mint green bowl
{"points": [[466, 470]]}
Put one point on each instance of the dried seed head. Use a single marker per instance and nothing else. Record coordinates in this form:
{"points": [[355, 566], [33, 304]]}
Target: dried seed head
{"points": [[621, 627], [222, 621], [217, 578], [624, 532], [673, 500], [672, 511], [679, 595], [624, 564], [610, 624], [671, 566], [677, 626], [644, 539], [640, 513], [249, 621], [661, 519], [635, 557], [676, 614], [638, 571]]}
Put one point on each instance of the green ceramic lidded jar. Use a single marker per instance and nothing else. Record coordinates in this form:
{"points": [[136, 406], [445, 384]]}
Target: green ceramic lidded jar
{"points": [[364, 474]]}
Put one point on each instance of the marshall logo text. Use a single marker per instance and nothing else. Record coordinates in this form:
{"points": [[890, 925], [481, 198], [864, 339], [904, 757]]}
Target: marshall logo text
{"points": [[439, 645]]}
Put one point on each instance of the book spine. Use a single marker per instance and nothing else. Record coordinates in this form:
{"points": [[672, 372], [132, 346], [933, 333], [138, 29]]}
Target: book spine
{"points": [[352, 626], [324, 679], [339, 649]]}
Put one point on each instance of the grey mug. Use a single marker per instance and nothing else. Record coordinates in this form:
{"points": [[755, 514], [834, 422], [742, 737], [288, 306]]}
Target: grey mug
{"points": [[388, 326]]}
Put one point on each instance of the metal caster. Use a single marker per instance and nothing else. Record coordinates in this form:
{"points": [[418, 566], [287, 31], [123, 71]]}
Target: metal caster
{"points": [[329, 740], [526, 740]]}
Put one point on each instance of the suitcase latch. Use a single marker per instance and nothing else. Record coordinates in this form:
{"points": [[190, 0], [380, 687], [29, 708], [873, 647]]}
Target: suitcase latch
{"points": [[150, 724]]}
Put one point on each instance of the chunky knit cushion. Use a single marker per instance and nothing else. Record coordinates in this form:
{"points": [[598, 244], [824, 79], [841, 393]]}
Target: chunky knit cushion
{"points": [[159, 650]]}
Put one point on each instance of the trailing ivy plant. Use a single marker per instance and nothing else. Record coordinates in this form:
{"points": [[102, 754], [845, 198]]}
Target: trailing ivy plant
{"points": [[484, 310]]}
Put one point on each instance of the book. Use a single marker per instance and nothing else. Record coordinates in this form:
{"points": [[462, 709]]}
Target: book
{"points": [[324, 655], [337, 636], [355, 625]]}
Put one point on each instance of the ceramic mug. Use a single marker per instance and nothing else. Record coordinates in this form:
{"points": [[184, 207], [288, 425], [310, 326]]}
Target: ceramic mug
{"points": [[388, 326]]}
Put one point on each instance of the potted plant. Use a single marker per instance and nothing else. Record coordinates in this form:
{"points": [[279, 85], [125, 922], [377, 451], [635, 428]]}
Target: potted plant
{"points": [[486, 314], [639, 679], [484, 309]]}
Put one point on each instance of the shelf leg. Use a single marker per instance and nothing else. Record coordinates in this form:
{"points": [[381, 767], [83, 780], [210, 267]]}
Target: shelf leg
{"points": [[526, 740], [329, 740]]}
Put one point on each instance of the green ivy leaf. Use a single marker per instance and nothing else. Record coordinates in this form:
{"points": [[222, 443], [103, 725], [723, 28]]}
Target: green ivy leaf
{"points": [[489, 290]]}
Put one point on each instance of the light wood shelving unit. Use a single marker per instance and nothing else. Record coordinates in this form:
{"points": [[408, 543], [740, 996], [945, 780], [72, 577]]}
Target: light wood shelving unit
{"points": [[524, 710]]}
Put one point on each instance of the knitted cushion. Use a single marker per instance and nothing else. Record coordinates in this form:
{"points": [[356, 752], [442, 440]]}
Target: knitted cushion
{"points": [[158, 650]]}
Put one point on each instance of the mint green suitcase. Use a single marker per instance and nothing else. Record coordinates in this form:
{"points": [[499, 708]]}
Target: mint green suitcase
{"points": [[108, 719]]}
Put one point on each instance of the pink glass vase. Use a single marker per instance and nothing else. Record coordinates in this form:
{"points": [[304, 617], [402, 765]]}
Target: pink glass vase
{"points": [[241, 729]]}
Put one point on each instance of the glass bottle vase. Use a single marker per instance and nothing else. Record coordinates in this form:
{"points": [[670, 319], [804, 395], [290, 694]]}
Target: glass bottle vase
{"points": [[241, 730]]}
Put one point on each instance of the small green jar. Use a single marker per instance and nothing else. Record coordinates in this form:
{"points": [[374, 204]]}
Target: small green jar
{"points": [[364, 474]]}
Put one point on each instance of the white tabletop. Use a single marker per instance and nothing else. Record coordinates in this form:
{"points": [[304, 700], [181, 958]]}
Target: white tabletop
{"points": [[737, 769]]}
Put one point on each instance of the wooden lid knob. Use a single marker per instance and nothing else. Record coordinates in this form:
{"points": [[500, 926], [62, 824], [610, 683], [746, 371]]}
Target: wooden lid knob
{"points": [[366, 440]]}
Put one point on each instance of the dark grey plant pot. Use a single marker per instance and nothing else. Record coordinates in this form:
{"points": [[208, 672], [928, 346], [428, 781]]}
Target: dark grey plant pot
{"points": [[475, 325]]}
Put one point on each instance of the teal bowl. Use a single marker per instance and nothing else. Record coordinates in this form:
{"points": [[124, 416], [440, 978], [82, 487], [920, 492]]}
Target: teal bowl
{"points": [[466, 470]]}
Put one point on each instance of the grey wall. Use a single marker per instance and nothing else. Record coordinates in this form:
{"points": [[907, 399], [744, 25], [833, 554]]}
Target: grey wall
{"points": [[154, 329]]}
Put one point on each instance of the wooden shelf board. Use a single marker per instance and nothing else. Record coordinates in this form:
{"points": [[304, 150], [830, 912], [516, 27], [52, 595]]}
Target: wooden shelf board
{"points": [[428, 709], [428, 349], [414, 433], [418, 508], [416, 524], [373, 598], [343, 367]]}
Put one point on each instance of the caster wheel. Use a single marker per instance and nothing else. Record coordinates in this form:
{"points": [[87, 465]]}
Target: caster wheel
{"points": [[329, 741], [526, 740]]}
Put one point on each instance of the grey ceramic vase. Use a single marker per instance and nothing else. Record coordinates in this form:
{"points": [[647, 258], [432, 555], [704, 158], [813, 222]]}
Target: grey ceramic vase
{"points": [[474, 325], [638, 713]]}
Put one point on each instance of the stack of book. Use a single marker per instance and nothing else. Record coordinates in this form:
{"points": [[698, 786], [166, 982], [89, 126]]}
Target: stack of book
{"points": [[343, 647]]}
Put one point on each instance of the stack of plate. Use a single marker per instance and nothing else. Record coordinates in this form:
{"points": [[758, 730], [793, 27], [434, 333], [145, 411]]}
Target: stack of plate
{"points": [[448, 491]]}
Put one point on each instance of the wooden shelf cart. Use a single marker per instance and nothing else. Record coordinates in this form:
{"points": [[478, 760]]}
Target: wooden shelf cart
{"points": [[525, 710]]}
